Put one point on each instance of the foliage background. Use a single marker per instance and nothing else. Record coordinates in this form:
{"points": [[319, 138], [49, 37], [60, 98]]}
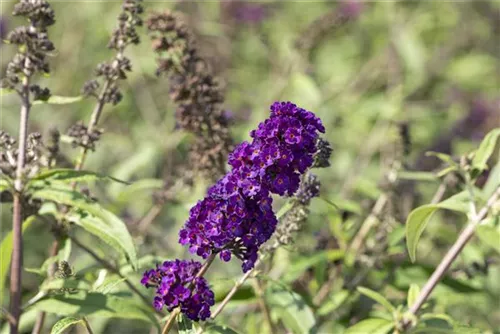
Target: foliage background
{"points": [[431, 65]]}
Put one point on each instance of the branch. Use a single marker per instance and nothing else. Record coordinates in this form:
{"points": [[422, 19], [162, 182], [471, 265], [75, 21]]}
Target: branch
{"points": [[451, 255], [17, 218]]}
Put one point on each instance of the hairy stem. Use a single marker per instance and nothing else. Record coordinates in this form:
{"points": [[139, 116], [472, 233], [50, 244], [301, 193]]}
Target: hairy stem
{"points": [[113, 269], [94, 119], [451, 255], [96, 114], [171, 320], [17, 218]]}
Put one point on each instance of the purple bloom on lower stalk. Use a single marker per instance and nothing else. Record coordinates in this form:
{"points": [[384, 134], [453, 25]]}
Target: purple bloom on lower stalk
{"points": [[176, 285]]}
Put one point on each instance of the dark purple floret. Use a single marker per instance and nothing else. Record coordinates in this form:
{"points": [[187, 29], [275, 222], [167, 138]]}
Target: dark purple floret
{"points": [[177, 285]]}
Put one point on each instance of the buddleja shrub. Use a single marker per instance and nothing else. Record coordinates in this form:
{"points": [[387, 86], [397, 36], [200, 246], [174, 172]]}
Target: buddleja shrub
{"points": [[235, 219]]}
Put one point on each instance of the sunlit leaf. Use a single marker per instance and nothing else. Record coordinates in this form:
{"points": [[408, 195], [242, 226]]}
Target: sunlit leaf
{"points": [[54, 99], [96, 305], [485, 150], [417, 176], [116, 229], [489, 235], [108, 287], [65, 323], [378, 298], [299, 266], [372, 326], [61, 284], [296, 315], [420, 217], [139, 188], [413, 293], [71, 175]]}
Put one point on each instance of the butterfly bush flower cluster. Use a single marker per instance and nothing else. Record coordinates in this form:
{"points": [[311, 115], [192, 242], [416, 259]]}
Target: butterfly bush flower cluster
{"points": [[177, 286], [236, 217]]}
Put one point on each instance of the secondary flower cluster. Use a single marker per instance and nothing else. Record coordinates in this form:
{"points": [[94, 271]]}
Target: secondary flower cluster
{"points": [[236, 215], [177, 285]]}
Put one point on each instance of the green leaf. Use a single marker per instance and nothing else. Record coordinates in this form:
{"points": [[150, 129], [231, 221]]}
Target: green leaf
{"points": [[5, 184], [62, 255], [137, 188], [440, 316], [413, 293], [5, 91], [107, 233], [377, 297], [6, 252], [372, 326], [64, 324], [489, 235], [485, 150], [296, 315], [144, 262], [443, 157], [334, 301], [71, 175], [185, 325], [116, 230], [219, 329], [96, 305], [493, 181], [61, 283], [302, 264], [417, 176], [109, 286], [55, 99], [419, 218]]}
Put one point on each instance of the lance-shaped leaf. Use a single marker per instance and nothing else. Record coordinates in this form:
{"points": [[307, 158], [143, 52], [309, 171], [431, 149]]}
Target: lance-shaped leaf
{"points": [[71, 175], [105, 225], [372, 326], [65, 323], [65, 284], [296, 315], [96, 305], [378, 298], [485, 149], [55, 99], [420, 217]]}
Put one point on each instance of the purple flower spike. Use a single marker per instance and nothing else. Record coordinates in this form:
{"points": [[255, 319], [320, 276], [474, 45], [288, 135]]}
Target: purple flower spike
{"points": [[236, 216]]}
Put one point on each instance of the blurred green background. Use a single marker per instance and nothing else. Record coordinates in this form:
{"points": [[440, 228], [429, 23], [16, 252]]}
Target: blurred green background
{"points": [[367, 69]]}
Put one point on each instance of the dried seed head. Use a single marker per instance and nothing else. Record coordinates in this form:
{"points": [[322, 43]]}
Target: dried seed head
{"points": [[196, 92], [322, 157], [309, 188]]}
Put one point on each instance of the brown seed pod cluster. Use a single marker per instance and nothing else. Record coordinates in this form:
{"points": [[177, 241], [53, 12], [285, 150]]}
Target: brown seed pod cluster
{"points": [[195, 91]]}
